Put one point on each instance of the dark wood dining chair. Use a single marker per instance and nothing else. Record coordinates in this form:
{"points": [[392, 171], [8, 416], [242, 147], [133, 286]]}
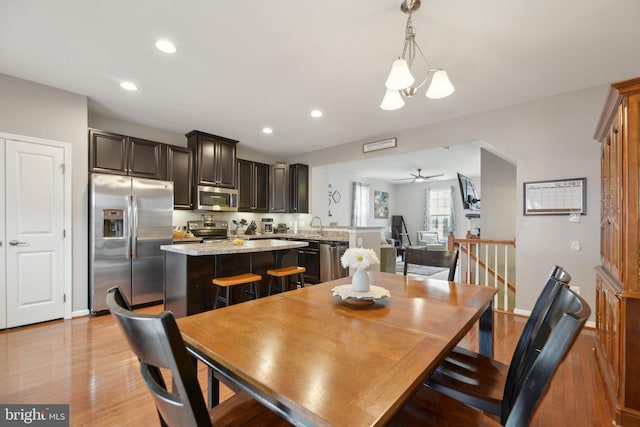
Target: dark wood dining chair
{"points": [[446, 259], [156, 341], [481, 381], [558, 331]]}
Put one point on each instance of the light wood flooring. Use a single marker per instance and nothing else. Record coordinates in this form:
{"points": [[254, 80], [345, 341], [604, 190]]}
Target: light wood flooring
{"points": [[85, 362]]}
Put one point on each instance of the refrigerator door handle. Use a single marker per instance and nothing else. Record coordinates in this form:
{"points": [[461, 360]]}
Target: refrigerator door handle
{"points": [[134, 228], [129, 226]]}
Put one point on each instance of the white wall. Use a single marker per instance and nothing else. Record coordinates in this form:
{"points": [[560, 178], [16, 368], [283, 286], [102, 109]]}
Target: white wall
{"points": [[31, 109], [550, 138], [411, 200], [499, 200], [329, 180]]}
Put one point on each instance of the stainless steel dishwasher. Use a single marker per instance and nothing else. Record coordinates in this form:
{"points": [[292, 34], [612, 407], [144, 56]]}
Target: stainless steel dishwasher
{"points": [[330, 266]]}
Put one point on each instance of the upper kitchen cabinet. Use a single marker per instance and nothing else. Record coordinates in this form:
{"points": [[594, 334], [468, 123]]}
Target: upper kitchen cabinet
{"points": [[124, 155], [289, 188], [279, 188], [215, 159], [180, 171], [253, 186], [299, 188]]}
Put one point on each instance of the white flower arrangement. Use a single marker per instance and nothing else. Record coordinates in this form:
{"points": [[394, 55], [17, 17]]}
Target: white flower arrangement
{"points": [[359, 258]]}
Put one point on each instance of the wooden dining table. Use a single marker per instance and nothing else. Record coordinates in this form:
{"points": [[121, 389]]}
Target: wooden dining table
{"points": [[319, 360]]}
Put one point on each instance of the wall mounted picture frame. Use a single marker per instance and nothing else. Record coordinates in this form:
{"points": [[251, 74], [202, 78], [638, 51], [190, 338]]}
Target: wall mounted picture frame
{"points": [[555, 197], [379, 145], [381, 205]]}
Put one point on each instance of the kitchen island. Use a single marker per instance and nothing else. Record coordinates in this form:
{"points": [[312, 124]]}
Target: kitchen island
{"points": [[189, 268]]}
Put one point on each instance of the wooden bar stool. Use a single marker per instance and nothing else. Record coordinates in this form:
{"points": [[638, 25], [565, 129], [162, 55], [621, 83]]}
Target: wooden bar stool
{"points": [[285, 272], [229, 281]]}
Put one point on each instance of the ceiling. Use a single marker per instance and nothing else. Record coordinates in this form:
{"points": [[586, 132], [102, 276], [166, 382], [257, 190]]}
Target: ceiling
{"points": [[463, 158], [243, 65]]}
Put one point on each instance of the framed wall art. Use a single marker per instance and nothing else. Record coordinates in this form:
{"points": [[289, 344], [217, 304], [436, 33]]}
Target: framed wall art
{"points": [[381, 205]]}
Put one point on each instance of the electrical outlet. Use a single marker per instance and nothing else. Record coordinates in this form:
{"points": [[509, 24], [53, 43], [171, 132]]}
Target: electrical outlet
{"points": [[359, 241], [575, 245]]}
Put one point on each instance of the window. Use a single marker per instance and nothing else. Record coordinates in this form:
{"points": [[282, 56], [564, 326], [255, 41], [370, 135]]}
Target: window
{"points": [[360, 200], [439, 211]]}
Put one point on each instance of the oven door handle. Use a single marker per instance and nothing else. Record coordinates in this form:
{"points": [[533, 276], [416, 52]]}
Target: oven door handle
{"points": [[309, 251]]}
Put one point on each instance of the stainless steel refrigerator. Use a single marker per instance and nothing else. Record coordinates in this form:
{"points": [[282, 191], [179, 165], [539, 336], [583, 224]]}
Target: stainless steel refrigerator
{"points": [[129, 219]]}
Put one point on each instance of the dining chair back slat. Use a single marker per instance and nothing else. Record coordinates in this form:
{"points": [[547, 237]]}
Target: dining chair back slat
{"points": [[157, 342], [446, 259], [558, 331], [480, 381]]}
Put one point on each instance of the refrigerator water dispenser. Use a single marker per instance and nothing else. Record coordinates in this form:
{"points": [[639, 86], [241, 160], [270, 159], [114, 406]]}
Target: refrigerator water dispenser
{"points": [[113, 223]]}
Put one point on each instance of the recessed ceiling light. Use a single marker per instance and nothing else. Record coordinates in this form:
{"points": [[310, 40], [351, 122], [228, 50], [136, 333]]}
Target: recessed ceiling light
{"points": [[166, 46], [129, 86], [316, 146], [267, 130], [316, 113]]}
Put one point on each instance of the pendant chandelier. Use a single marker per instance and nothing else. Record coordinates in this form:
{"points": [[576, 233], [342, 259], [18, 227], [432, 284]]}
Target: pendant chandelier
{"points": [[400, 82]]}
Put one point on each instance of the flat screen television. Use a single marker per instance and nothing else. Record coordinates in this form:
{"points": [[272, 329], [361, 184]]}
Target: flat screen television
{"points": [[469, 193]]}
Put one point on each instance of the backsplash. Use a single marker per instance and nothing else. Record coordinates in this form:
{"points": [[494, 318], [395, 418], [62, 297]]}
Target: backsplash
{"points": [[180, 218]]}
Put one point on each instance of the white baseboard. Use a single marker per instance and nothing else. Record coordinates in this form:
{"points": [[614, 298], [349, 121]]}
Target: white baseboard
{"points": [[521, 312], [80, 313]]}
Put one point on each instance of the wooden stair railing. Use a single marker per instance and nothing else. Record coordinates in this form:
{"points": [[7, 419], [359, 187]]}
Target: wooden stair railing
{"points": [[485, 270]]}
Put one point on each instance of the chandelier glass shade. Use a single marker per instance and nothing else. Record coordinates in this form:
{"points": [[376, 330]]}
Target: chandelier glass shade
{"points": [[400, 81]]}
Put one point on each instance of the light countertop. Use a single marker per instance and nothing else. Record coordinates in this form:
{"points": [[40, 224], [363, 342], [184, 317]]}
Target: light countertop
{"points": [[227, 247]]}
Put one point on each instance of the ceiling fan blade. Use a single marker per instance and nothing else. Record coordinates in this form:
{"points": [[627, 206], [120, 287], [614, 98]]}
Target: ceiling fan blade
{"points": [[432, 176], [403, 179]]}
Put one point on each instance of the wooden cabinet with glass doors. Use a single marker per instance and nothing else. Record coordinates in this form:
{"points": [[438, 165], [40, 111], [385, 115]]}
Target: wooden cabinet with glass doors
{"points": [[617, 341]]}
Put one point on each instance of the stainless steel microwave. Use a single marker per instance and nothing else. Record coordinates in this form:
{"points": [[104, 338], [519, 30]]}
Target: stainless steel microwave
{"points": [[217, 199]]}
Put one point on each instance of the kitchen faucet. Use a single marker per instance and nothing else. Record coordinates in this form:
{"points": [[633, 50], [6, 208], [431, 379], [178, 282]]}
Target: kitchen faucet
{"points": [[319, 220]]}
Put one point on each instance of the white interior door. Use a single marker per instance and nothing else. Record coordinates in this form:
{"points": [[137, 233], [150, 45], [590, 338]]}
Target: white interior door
{"points": [[3, 245], [35, 209]]}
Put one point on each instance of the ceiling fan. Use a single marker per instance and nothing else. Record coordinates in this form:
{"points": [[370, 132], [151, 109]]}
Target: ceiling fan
{"points": [[419, 177]]}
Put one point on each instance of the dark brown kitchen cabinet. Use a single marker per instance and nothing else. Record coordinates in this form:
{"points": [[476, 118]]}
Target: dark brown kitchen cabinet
{"points": [[180, 171], [215, 159], [299, 188], [253, 186], [279, 188], [125, 155]]}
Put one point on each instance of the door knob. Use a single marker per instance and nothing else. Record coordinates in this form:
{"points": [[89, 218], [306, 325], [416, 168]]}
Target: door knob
{"points": [[17, 243]]}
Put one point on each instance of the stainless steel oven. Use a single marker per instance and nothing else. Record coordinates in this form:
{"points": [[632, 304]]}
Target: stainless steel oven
{"points": [[209, 230], [216, 199]]}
